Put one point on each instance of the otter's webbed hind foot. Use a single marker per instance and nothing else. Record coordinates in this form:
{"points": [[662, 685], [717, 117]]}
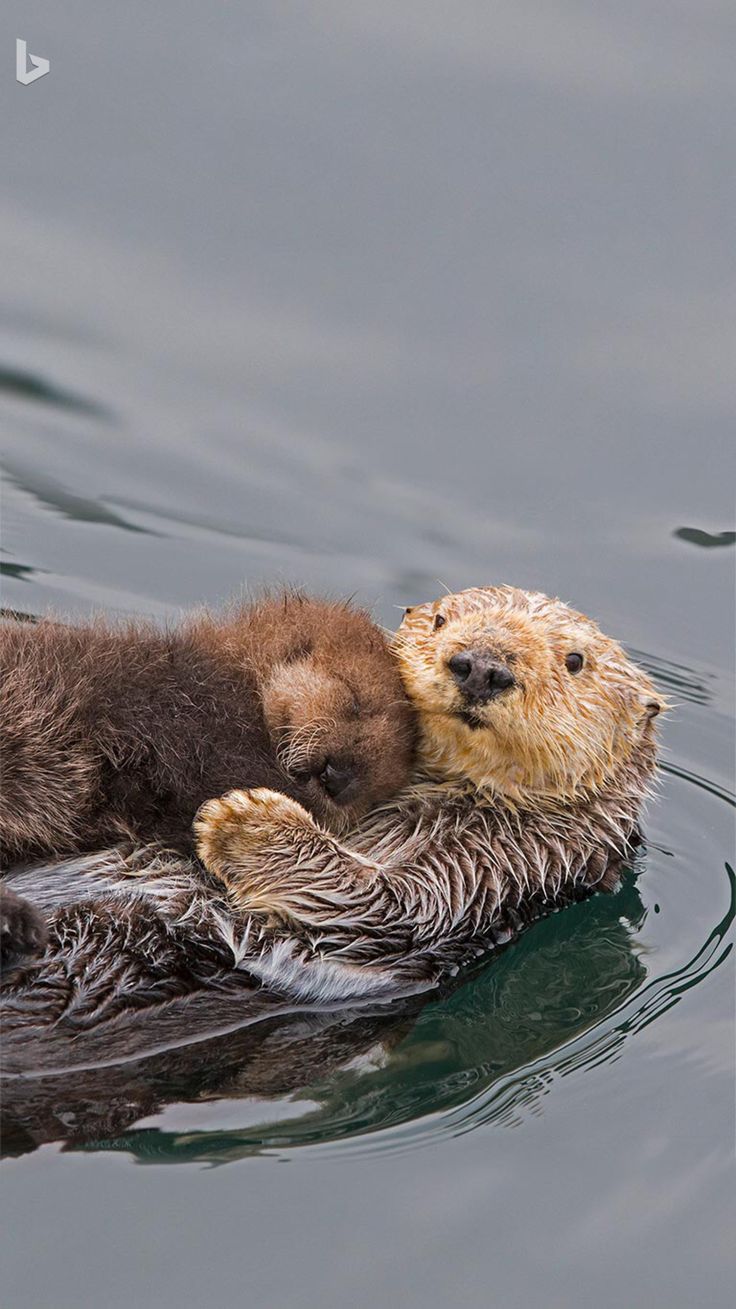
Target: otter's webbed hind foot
{"points": [[23, 931]]}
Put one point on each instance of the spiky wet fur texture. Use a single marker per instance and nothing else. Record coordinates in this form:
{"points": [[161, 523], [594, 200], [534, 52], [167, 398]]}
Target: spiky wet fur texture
{"points": [[137, 928], [534, 804]]}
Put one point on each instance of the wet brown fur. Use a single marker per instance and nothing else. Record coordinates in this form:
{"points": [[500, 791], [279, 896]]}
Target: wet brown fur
{"points": [[121, 732]]}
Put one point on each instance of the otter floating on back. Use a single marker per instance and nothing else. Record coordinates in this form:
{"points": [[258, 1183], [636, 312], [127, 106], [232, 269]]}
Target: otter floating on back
{"points": [[537, 750]]}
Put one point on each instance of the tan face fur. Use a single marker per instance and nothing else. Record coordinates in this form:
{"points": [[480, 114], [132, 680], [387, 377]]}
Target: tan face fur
{"points": [[538, 705], [341, 722]]}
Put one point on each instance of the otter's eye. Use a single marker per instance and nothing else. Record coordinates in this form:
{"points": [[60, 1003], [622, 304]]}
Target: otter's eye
{"points": [[574, 663], [439, 621]]}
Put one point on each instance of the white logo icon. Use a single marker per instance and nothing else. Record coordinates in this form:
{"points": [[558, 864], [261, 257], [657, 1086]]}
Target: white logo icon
{"points": [[28, 68]]}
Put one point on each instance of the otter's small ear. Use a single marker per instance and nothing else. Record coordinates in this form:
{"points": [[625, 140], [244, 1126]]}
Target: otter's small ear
{"points": [[651, 709]]}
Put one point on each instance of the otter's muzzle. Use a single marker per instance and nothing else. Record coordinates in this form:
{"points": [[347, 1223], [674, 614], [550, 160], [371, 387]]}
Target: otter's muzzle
{"points": [[479, 676]]}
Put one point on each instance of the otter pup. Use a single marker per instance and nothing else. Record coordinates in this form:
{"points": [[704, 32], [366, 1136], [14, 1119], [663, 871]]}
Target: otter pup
{"points": [[536, 751], [113, 733], [537, 748]]}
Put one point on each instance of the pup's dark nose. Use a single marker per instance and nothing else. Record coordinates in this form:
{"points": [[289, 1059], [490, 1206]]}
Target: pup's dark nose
{"points": [[335, 779], [480, 676]]}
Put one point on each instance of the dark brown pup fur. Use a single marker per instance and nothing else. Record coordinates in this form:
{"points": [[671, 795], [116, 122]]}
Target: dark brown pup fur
{"points": [[111, 732]]}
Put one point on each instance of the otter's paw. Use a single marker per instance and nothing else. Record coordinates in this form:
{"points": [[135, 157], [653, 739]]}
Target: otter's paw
{"points": [[23, 931], [232, 829]]}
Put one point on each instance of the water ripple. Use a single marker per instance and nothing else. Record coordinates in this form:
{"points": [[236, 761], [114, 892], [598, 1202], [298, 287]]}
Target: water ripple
{"points": [[22, 385]]}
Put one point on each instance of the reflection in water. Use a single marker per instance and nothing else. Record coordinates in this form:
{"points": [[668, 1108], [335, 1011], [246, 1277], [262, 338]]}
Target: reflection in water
{"points": [[481, 1051], [649, 1003], [565, 998]]}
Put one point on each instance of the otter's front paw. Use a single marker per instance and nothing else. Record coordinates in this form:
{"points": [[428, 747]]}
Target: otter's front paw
{"points": [[232, 829], [23, 931]]}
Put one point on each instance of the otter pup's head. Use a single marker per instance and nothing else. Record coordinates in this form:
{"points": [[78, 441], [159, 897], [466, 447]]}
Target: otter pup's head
{"points": [[335, 706], [521, 695]]}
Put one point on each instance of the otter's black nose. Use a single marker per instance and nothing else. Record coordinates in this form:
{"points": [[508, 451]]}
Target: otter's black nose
{"points": [[480, 676], [336, 779]]}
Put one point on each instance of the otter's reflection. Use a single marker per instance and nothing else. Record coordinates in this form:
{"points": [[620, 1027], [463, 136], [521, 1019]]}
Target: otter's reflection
{"points": [[320, 1077]]}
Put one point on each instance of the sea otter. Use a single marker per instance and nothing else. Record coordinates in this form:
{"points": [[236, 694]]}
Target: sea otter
{"points": [[113, 733], [537, 748]]}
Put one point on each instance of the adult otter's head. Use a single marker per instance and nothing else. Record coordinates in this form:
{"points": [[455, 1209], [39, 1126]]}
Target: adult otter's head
{"points": [[521, 695], [334, 704]]}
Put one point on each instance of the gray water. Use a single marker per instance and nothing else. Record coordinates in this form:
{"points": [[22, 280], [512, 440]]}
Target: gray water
{"points": [[385, 298]]}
